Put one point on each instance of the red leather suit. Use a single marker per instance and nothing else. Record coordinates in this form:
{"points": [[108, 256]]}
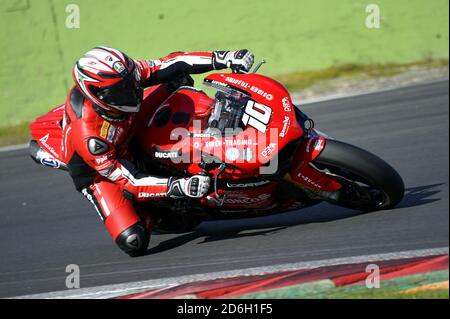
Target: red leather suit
{"points": [[96, 150]]}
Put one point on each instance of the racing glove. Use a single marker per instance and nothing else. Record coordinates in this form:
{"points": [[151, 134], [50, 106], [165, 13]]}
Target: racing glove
{"points": [[196, 186], [241, 60]]}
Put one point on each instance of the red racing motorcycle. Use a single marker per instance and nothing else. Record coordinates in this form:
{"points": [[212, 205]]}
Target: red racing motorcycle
{"points": [[262, 152]]}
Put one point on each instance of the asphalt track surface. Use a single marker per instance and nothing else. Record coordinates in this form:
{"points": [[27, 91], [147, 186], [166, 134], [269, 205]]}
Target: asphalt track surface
{"points": [[45, 225]]}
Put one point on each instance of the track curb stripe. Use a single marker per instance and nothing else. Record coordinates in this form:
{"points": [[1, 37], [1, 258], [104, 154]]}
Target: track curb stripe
{"points": [[127, 289], [396, 271], [285, 283]]}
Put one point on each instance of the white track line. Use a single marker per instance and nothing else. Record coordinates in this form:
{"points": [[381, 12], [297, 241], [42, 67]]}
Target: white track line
{"points": [[110, 291], [13, 148]]}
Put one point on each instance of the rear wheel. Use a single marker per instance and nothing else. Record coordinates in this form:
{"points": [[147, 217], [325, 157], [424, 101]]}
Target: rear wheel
{"points": [[368, 182]]}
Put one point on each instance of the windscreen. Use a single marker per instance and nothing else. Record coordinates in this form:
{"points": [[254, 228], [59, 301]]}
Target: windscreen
{"points": [[229, 105]]}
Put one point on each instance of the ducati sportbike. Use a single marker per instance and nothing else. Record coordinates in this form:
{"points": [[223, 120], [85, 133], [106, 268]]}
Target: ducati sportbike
{"points": [[263, 154]]}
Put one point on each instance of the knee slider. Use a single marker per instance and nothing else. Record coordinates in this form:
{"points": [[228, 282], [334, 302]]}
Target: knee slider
{"points": [[134, 240]]}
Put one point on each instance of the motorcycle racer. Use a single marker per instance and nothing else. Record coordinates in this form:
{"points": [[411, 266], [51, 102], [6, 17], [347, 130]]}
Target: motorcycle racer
{"points": [[100, 119]]}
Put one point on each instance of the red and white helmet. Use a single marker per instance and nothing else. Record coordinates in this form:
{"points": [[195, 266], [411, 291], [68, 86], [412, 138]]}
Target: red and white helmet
{"points": [[109, 78]]}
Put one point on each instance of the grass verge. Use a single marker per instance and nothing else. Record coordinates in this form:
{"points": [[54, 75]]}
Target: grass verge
{"points": [[15, 134], [387, 294], [19, 133], [428, 285], [301, 80]]}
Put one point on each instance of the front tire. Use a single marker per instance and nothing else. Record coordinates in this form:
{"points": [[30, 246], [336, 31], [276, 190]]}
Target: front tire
{"points": [[368, 182]]}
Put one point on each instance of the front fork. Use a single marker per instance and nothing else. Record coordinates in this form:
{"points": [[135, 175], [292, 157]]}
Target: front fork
{"points": [[315, 182]]}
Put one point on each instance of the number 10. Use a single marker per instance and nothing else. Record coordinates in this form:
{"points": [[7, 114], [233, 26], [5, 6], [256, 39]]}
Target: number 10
{"points": [[257, 115]]}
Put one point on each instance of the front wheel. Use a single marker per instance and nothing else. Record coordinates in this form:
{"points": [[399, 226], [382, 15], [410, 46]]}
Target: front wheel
{"points": [[368, 182]]}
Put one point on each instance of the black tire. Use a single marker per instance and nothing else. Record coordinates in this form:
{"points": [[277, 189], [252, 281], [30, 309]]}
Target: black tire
{"points": [[354, 163]]}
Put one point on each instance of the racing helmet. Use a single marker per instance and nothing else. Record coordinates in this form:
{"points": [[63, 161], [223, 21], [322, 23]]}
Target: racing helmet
{"points": [[110, 79]]}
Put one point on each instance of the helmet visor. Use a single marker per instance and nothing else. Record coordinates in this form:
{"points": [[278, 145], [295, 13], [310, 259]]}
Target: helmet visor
{"points": [[126, 93]]}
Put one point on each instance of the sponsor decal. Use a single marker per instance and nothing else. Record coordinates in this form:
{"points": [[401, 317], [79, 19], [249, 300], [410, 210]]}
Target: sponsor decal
{"points": [[202, 135], [232, 154], [286, 125], [257, 90], [308, 180], [244, 199], [104, 166], [229, 142], [218, 83], [234, 81], [318, 146], [44, 140], [101, 160], [111, 133], [286, 104], [119, 67], [118, 134], [215, 143], [248, 185], [162, 154], [247, 154], [150, 195], [308, 144], [268, 150], [236, 142], [104, 130], [50, 162]]}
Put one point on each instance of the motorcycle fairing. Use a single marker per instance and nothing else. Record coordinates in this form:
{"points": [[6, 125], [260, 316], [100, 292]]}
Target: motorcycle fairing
{"points": [[47, 130], [246, 151], [303, 173]]}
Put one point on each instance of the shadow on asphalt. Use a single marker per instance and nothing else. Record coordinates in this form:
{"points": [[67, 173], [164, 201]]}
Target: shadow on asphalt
{"points": [[269, 225], [417, 196]]}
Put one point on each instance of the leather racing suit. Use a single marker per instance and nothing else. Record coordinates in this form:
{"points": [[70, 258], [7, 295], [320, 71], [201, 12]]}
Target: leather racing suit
{"points": [[96, 150]]}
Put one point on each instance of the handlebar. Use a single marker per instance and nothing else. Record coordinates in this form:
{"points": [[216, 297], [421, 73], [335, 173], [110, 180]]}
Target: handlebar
{"points": [[237, 69]]}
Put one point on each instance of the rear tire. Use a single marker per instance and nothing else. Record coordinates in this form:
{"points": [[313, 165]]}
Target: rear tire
{"points": [[355, 164]]}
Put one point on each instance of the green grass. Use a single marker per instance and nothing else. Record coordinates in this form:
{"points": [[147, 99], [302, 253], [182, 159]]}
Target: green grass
{"points": [[390, 289], [19, 133], [304, 41], [301, 80], [14, 134], [38, 51], [390, 294]]}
